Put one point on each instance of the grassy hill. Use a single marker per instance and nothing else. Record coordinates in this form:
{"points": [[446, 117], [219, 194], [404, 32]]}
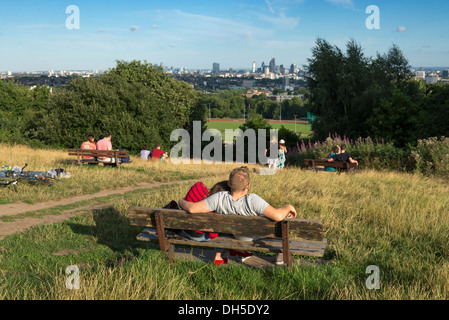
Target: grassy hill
{"points": [[395, 221]]}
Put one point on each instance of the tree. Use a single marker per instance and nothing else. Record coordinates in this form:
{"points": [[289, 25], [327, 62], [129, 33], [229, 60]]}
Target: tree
{"points": [[136, 102], [346, 89]]}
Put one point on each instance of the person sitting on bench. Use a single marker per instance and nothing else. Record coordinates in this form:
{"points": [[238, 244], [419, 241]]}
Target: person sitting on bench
{"points": [[89, 144], [240, 202], [343, 156], [105, 144], [335, 150]]}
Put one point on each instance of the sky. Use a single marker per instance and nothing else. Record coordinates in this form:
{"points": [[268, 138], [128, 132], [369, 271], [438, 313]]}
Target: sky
{"points": [[44, 35]]}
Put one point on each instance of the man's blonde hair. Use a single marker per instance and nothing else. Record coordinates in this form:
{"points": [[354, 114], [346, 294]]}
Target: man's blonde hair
{"points": [[239, 179]]}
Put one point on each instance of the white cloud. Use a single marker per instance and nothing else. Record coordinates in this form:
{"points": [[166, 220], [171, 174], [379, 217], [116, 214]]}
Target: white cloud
{"points": [[134, 28], [401, 29]]}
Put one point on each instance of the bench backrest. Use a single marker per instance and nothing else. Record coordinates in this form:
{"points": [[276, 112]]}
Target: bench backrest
{"points": [[233, 224], [333, 164], [98, 153]]}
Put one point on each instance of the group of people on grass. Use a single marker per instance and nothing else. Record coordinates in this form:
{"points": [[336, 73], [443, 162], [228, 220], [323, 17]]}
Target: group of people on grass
{"points": [[155, 155], [231, 197], [339, 154], [105, 144]]}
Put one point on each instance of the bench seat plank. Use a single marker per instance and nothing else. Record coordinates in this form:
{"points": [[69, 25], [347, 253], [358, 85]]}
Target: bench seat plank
{"points": [[80, 153], [333, 164], [303, 248]]}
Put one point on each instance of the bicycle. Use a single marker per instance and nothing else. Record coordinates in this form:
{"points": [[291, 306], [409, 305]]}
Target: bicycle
{"points": [[12, 177]]}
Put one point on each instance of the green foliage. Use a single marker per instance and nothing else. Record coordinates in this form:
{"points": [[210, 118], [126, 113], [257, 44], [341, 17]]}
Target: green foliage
{"points": [[20, 107], [135, 102], [432, 156], [371, 154], [345, 88]]}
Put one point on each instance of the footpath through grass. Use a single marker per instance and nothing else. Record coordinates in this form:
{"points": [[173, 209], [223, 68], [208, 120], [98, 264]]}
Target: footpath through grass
{"points": [[397, 222], [90, 179]]}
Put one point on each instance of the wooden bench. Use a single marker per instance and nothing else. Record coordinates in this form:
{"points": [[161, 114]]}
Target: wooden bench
{"points": [[115, 154], [290, 236], [333, 164]]}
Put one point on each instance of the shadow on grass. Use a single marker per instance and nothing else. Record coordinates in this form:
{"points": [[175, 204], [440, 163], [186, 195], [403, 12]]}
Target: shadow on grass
{"points": [[111, 229]]}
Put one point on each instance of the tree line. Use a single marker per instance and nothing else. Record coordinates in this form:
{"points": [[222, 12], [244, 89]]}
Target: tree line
{"points": [[350, 94], [358, 96], [135, 101]]}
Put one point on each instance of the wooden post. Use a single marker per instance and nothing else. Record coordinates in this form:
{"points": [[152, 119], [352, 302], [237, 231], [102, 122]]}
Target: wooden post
{"points": [[163, 244], [78, 156], [286, 245], [117, 164]]}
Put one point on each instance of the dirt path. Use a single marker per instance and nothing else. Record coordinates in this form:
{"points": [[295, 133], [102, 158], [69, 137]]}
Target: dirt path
{"points": [[20, 225]]}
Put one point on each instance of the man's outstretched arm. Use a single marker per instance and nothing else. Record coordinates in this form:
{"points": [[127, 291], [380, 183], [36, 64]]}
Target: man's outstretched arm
{"points": [[193, 207], [280, 214]]}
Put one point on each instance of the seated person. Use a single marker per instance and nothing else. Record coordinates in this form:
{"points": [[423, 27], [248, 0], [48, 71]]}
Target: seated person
{"points": [[145, 153], [89, 144], [335, 150], [197, 193], [157, 154], [239, 202], [105, 144], [343, 156]]}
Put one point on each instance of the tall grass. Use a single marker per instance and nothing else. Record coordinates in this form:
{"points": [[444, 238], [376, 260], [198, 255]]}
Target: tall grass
{"points": [[90, 179], [396, 221]]}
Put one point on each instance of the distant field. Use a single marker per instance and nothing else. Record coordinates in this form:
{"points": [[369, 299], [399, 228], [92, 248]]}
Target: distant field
{"points": [[301, 128]]}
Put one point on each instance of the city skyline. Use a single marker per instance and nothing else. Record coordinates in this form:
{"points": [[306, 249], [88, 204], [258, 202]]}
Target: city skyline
{"points": [[196, 34]]}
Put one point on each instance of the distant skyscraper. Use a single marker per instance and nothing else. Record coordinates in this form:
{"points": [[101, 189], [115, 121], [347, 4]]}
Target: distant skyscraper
{"points": [[254, 66], [293, 68], [272, 65], [216, 68], [445, 73]]}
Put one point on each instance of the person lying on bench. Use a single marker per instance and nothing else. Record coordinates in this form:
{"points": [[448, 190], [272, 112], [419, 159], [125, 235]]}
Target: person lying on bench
{"points": [[239, 202]]}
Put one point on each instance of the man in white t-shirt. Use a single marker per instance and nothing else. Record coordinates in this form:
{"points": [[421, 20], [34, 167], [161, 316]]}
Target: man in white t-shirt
{"points": [[239, 202]]}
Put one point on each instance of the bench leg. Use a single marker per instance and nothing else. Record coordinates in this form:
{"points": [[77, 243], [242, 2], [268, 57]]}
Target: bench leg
{"points": [[286, 245], [163, 243]]}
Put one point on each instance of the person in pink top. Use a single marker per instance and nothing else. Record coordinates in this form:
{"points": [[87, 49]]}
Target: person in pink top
{"points": [[105, 144]]}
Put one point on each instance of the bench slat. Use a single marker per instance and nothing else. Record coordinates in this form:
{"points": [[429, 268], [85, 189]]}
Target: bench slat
{"points": [[313, 249], [333, 164], [230, 224]]}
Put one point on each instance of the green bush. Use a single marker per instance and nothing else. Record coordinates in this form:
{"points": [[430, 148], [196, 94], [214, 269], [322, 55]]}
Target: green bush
{"points": [[370, 154], [432, 156], [136, 102]]}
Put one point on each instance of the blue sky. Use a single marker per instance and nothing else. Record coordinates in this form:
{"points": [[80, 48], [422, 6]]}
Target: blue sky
{"points": [[195, 34]]}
